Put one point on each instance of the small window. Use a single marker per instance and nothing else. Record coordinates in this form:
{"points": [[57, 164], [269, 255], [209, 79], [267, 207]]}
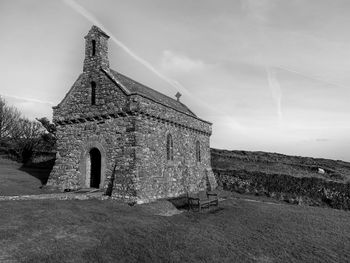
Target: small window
{"points": [[198, 151], [93, 42], [169, 148], [93, 93]]}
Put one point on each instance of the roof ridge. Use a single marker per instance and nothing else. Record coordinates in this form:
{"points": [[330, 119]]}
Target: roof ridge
{"points": [[186, 107], [144, 85], [153, 90]]}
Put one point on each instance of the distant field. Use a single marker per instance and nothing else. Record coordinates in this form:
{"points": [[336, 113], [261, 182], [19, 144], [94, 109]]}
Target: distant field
{"points": [[274, 163], [107, 231]]}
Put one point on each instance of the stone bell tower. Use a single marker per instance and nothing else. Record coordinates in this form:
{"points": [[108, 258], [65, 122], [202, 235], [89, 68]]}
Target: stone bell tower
{"points": [[96, 50]]}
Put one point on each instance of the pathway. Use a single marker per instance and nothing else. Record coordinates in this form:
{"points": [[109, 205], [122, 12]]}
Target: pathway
{"points": [[76, 195]]}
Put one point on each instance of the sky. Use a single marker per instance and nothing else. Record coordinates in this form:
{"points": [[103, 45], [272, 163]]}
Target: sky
{"points": [[271, 75]]}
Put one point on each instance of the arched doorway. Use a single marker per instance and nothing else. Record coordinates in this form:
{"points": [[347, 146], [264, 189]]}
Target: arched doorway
{"points": [[95, 168], [92, 164]]}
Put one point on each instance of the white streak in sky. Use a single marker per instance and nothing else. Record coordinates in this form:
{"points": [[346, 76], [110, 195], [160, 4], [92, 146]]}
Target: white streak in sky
{"points": [[327, 82], [28, 99], [175, 84], [258, 12], [86, 14], [275, 89]]}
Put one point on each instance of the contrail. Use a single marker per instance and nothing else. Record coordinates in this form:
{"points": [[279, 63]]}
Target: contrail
{"points": [[175, 84], [28, 99], [311, 77], [257, 11], [275, 89], [86, 14]]}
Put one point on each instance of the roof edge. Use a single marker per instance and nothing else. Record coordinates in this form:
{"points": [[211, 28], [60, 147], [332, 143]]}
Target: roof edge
{"points": [[96, 28], [193, 116], [116, 82], [68, 93]]}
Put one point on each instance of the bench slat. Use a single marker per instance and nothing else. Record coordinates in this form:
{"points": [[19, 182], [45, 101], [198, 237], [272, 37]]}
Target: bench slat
{"points": [[202, 199]]}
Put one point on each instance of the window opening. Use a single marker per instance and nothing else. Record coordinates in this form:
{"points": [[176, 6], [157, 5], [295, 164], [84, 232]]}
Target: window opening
{"points": [[93, 93], [198, 151], [169, 148], [93, 47]]}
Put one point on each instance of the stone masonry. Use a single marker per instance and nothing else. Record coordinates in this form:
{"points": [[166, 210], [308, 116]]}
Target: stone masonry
{"points": [[113, 133]]}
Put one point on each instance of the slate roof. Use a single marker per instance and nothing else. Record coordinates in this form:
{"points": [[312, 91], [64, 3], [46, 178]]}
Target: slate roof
{"points": [[134, 87]]}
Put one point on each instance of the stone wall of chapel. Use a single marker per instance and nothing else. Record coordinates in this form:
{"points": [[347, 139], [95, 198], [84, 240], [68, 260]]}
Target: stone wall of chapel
{"points": [[109, 98], [115, 136], [132, 141], [159, 177], [146, 105]]}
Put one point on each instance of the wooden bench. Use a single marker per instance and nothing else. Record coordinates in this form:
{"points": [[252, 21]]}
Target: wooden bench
{"points": [[202, 199]]}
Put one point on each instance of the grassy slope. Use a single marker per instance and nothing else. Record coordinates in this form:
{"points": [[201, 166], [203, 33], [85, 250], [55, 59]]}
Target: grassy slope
{"points": [[105, 231], [14, 180], [274, 163]]}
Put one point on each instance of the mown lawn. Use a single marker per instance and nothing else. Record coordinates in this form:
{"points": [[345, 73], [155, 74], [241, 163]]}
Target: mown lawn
{"points": [[107, 231]]}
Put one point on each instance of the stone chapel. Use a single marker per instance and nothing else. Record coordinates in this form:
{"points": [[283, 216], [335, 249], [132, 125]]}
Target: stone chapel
{"points": [[118, 135]]}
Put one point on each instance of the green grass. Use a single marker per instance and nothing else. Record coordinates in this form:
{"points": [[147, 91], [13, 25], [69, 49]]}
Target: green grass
{"points": [[107, 231], [17, 179]]}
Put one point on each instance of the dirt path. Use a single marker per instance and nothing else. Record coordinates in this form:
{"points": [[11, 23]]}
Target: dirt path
{"points": [[58, 196]]}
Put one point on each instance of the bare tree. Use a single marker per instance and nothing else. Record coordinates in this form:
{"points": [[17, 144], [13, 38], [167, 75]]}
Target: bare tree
{"points": [[9, 118], [49, 136], [26, 137], [20, 136]]}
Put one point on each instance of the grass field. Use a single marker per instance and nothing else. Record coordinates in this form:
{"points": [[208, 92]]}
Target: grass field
{"points": [[16, 179], [274, 163], [107, 231], [241, 230]]}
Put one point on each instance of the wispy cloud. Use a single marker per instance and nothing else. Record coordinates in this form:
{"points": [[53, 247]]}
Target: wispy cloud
{"points": [[27, 99], [257, 10], [308, 76], [90, 17], [174, 62], [322, 139], [275, 89]]}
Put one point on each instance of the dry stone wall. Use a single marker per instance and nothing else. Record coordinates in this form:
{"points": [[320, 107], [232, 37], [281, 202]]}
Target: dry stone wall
{"points": [[295, 190]]}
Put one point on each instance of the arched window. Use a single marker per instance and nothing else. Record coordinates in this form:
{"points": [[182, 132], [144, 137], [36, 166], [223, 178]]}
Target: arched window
{"points": [[169, 148], [198, 151], [93, 93], [93, 43]]}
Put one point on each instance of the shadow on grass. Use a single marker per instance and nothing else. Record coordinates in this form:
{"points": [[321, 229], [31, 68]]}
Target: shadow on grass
{"points": [[40, 170]]}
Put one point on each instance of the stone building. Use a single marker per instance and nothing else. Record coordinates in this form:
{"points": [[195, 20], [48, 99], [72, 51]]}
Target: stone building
{"points": [[116, 134]]}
